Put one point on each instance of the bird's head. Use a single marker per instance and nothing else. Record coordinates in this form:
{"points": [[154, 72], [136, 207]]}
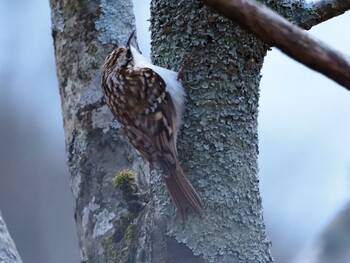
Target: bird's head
{"points": [[120, 57]]}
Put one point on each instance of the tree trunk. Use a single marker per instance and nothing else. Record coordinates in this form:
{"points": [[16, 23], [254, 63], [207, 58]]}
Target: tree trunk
{"points": [[83, 32], [218, 144]]}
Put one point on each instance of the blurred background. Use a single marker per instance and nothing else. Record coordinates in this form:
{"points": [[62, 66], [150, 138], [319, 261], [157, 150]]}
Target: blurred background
{"points": [[303, 128]]}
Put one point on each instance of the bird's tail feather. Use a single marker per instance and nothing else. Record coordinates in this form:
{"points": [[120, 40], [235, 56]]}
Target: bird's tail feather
{"points": [[182, 192]]}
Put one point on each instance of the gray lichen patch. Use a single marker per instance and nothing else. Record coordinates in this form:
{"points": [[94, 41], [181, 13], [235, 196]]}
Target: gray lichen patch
{"points": [[101, 118], [103, 223], [75, 182], [91, 207], [121, 246], [111, 24], [57, 19]]}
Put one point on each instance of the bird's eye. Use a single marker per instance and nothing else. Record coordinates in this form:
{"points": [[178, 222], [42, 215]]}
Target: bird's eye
{"points": [[128, 53]]}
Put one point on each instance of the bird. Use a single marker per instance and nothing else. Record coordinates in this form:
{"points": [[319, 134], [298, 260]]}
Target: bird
{"points": [[148, 102]]}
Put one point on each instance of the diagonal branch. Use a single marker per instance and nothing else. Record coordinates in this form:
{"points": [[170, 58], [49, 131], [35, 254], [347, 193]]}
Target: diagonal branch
{"points": [[277, 31], [322, 10], [307, 14]]}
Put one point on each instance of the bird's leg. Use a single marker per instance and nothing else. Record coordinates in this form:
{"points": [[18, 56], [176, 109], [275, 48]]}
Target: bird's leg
{"points": [[181, 73]]}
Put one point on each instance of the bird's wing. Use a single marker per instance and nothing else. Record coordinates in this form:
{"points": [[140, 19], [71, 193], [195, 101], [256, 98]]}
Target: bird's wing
{"points": [[151, 128]]}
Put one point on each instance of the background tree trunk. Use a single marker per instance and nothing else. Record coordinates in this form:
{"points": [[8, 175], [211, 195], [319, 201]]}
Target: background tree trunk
{"points": [[8, 251], [333, 243]]}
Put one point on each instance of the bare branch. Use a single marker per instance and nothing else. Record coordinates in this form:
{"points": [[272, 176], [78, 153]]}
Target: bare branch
{"points": [[320, 11], [277, 31], [307, 14]]}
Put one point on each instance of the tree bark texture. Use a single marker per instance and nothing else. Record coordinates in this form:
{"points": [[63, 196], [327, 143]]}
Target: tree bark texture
{"points": [[8, 251], [83, 32], [218, 144]]}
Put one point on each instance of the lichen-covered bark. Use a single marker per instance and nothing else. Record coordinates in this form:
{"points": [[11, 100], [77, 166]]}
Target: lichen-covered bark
{"points": [[218, 144], [8, 251]]}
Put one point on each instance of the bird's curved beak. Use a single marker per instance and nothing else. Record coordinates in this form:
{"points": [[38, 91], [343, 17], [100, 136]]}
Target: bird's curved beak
{"points": [[130, 38]]}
